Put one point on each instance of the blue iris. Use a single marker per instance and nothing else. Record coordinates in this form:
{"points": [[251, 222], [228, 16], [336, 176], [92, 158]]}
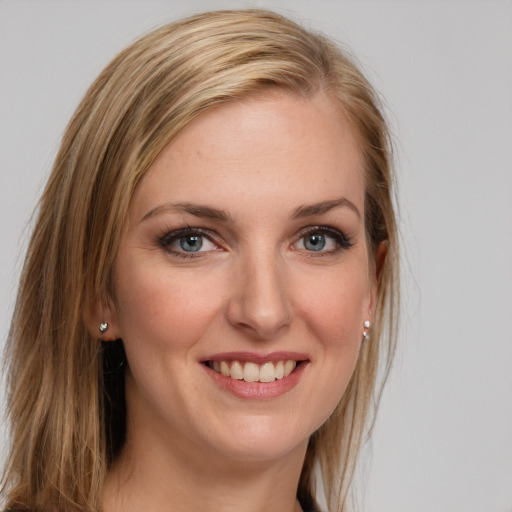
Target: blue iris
{"points": [[314, 242], [191, 243]]}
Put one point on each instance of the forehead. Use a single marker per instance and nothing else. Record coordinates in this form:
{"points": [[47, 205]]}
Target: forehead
{"points": [[274, 147]]}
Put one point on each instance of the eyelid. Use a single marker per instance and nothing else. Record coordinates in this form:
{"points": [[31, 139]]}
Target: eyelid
{"points": [[343, 241], [172, 235]]}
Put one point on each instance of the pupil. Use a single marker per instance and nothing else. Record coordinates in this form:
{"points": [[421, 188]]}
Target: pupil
{"points": [[191, 243], [315, 242]]}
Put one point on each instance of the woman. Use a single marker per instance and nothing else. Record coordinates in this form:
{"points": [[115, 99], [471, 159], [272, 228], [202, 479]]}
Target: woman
{"points": [[220, 217]]}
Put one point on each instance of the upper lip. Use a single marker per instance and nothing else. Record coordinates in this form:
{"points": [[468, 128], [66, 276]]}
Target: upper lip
{"points": [[258, 358]]}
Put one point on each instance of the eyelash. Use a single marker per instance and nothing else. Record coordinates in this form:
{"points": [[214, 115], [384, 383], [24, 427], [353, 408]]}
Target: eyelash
{"points": [[166, 240], [342, 241]]}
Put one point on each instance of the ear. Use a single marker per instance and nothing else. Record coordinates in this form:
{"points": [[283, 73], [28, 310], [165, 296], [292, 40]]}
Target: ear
{"points": [[380, 258], [102, 311]]}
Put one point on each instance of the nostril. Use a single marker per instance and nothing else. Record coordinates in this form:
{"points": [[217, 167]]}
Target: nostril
{"points": [[263, 323], [260, 301]]}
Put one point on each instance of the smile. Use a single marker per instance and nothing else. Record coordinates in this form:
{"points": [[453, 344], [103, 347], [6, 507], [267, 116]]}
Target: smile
{"points": [[256, 376], [252, 372]]}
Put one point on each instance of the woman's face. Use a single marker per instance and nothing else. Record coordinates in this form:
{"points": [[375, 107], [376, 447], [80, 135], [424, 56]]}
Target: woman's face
{"points": [[244, 258]]}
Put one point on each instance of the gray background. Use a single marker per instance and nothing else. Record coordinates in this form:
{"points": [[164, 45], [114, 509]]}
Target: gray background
{"points": [[443, 441]]}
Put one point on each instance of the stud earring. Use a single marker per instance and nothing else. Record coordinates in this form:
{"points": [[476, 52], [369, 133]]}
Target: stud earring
{"points": [[366, 335], [103, 327]]}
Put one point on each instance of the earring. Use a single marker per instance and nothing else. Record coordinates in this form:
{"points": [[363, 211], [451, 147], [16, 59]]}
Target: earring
{"points": [[103, 327], [366, 335]]}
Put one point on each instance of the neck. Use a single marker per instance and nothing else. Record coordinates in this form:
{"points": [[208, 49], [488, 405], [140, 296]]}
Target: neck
{"points": [[151, 481]]}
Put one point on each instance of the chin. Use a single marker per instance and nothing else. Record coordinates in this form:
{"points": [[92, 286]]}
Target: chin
{"points": [[262, 439]]}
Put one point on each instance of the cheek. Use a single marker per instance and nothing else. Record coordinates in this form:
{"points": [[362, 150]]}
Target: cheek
{"points": [[335, 307], [161, 308], [335, 318]]}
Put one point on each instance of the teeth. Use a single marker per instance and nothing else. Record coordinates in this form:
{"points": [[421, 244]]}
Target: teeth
{"points": [[237, 371], [267, 373], [280, 370], [289, 366], [224, 369], [252, 372]]}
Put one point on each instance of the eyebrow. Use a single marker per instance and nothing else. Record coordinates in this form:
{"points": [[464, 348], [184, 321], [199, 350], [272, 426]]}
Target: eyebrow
{"points": [[209, 212], [324, 207], [193, 209]]}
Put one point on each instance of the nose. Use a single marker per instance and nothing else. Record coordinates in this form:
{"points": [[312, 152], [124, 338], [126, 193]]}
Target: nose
{"points": [[260, 302]]}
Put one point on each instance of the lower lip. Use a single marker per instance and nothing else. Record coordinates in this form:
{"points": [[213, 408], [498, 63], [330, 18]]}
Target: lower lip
{"points": [[257, 390]]}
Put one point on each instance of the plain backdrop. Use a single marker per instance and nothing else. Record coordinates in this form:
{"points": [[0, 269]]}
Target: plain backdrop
{"points": [[443, 440]]}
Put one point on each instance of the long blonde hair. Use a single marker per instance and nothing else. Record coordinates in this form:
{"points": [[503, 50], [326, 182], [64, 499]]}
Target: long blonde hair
{"points": [[66, 396]]}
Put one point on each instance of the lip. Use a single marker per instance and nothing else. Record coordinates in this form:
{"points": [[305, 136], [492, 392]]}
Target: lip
{"points": [[258, 358], [257, 390]]}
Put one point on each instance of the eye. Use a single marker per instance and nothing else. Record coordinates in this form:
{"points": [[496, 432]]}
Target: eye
{"points": [[190, 243], [317, 242], [186, 242], [322, 239]]}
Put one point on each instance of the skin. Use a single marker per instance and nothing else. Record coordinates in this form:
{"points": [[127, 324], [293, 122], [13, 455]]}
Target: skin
{"points": [[254, 286]]}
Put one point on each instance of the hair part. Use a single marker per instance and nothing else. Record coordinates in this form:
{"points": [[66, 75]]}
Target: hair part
{"points": [[66, 393]]}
